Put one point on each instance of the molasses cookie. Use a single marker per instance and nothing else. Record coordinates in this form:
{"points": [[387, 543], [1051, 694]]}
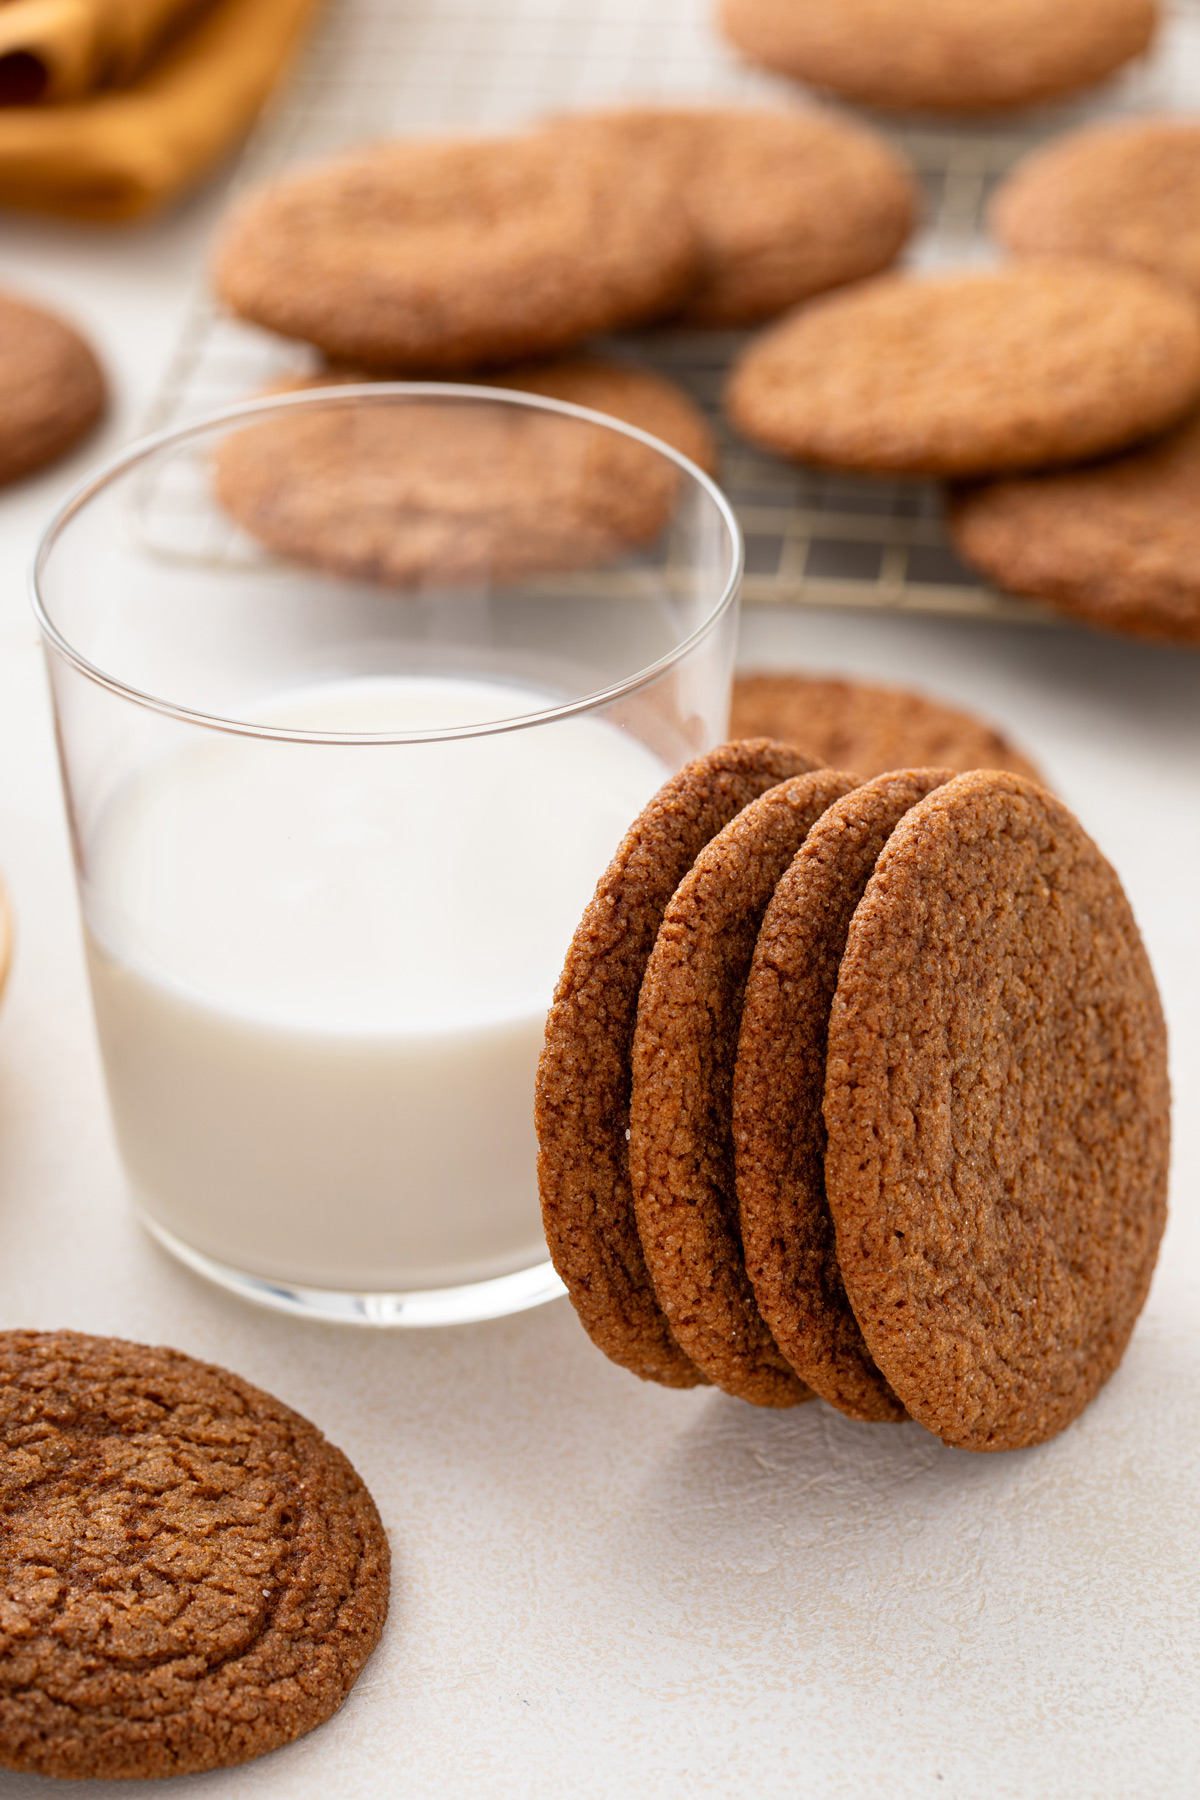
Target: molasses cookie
{"points": [[1116, 544], [1125, 191], [779, 1085], [680, 1145], [950, 56], [859, 725], [190, 1575], [439, 256], [783, 204], [997, 1107], [52, 389], [976, 373], [436, 491], [584, 1078]]}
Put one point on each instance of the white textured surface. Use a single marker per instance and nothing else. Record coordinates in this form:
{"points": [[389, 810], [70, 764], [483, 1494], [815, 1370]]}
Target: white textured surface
{"points": [[604, 1589]]}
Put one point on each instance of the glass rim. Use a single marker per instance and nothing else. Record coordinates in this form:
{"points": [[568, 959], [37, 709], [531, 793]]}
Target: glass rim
{"points": [[143, 448]]}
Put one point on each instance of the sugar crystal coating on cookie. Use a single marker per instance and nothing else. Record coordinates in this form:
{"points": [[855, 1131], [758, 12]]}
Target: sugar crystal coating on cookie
{"points": [[584, 1077], [1046, 361], [998, 1114], [190, 1575], [434, 256], [1115, 544], [951, 56], [681, 1152], [783, 204]]}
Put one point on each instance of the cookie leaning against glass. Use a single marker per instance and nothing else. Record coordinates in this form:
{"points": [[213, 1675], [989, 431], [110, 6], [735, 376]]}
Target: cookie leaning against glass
{"points": [[977, 1083]]}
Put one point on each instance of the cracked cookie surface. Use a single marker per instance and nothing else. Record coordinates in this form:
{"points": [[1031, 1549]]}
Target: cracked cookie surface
{"points": [[190, 1575], [997, 1106]]}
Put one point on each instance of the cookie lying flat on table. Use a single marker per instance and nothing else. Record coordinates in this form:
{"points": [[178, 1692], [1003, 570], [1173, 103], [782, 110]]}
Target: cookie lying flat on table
{"points": [[681, 1146], [1126, 191], [440, 256], [584, 1077], [190, 1575], [1116, 544], [783, 204], [942, 55], [978, 373], [433, 492], [998, 1114], [779, 1087], [52, 389], [860, 725]]}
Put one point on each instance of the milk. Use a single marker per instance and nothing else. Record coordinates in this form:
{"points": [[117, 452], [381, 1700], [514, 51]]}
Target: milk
{"points": [[321, 974]]}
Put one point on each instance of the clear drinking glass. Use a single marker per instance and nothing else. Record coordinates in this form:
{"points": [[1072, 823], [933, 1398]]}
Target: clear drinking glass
{"points": [[356, 691]]}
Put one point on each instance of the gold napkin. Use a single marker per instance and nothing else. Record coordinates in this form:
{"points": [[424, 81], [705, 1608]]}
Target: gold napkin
{"points": [[124, 151], [54, 50]]}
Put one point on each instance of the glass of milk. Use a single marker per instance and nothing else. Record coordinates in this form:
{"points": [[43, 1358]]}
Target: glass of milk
{"points": [[339, 792]]}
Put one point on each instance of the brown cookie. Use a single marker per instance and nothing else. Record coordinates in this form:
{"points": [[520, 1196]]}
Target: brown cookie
{"points": [[783, 204], [440, 256], [1126, 191], [584, 1077], [950, 56], [190, 1575], [977, 373], [779, 1086], [1116, 544], [434, 492], [859, 725], [52, 388], [681, 1157], [998, 1114]]}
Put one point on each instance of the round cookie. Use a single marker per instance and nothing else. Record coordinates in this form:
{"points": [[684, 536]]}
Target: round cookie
{"points": [[1116, 545], [953, 56], [1126, 191], [432, 492], [190, 1575], [681, 1158], [976, 373], [443, 255], [998, 1114], [859, 725], [584, 1077], [779, 1085], [52, 388], [783, 204]]}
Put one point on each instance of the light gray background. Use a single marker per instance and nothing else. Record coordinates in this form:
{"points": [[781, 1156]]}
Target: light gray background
{"points": [[603, 1588]]}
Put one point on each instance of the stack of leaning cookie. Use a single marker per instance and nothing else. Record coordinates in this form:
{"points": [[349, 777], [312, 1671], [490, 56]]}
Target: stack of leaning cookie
{"points": [[858, 1089]]}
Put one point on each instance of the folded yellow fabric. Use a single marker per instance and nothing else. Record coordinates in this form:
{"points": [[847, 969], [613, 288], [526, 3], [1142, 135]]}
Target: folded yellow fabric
{"points": [[55, 50], [125, 151]]}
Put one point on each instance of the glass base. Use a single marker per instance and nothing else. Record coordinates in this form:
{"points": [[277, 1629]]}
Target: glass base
{"points": [[413, 1311]]}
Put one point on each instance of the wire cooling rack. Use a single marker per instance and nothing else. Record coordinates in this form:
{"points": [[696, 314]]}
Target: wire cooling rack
{"points": [[393, 67]]}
